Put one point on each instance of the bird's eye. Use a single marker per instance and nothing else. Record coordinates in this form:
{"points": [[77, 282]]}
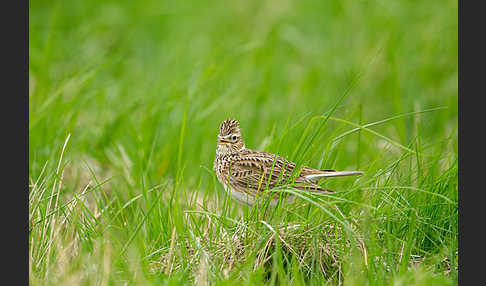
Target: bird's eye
{"points": [[234, 137]]}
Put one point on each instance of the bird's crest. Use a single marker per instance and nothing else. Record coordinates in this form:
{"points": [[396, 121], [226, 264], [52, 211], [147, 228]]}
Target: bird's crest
{"points": [[229, 126]]}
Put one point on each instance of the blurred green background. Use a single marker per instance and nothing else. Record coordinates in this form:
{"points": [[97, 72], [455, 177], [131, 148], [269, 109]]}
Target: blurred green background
{"points": [[142, 86], [125, 72]]}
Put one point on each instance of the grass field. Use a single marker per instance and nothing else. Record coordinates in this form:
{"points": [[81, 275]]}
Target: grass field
{"points": [[125, 102]]}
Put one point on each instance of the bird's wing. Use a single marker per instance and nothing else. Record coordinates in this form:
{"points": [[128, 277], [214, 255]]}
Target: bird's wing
{"points": [[255, 171]]}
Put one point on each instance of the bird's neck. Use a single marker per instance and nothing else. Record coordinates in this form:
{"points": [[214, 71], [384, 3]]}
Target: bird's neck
{"points": [[225, 150]]}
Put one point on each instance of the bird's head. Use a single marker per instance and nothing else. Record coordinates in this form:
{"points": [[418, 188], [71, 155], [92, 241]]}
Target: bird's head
{"points": [[229, 137]]}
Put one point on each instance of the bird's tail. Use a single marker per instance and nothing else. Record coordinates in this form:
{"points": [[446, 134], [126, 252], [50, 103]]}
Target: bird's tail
{"points": [[315, 175]]}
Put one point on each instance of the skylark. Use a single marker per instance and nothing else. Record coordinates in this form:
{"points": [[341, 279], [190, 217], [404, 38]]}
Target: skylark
{"points": [[246, 173]]}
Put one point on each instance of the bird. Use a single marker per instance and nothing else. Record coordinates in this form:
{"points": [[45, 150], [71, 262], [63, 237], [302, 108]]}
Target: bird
{"points": [[246, 173]]}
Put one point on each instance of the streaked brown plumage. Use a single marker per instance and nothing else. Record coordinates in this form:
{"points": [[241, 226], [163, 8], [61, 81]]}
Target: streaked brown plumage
{"points": [[244, 172]]}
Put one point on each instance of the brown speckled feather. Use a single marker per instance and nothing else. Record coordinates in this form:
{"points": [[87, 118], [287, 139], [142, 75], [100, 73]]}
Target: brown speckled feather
{"points": [[248, 167]]}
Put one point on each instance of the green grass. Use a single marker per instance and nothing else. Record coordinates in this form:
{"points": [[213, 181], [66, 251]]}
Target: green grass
{"points": [[125, 101]]}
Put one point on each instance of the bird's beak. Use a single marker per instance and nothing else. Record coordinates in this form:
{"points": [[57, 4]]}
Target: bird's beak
{"points": [[223, 142]]}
